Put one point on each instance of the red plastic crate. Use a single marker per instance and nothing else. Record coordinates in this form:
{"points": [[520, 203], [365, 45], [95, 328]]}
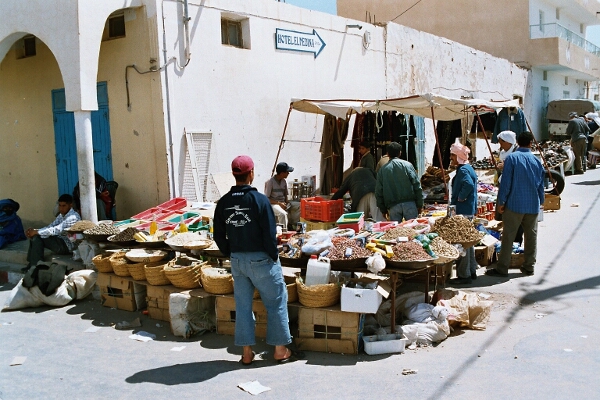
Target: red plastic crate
{"points": [[174, 204], [383, 226], [319, 209], [162, 226], [152, 214]]}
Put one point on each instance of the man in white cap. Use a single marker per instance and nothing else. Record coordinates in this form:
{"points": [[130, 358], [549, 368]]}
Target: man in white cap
{"points": [[578, 131], [508, 143]]}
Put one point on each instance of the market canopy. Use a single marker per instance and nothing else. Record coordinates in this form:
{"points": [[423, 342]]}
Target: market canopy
{"points": [[444, 108]]}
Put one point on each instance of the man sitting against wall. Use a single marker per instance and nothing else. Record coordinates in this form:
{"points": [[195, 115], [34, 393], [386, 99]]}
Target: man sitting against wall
{"points": [[53, 236]]}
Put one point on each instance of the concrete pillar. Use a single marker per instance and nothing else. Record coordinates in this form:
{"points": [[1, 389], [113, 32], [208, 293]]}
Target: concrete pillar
{"points": [[85, 164]]}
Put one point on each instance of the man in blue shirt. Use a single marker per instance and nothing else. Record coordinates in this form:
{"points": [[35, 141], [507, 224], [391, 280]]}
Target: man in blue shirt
{"points": [[519, 199]]}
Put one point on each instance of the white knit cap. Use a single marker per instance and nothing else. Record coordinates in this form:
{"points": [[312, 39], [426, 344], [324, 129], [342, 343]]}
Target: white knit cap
{"points": [[508, 136]]}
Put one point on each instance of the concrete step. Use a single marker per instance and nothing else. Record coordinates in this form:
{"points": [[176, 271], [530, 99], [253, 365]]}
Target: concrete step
{"points": [[16, 254]]}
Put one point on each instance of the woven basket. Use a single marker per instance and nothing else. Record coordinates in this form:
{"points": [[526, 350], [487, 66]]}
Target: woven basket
{"points": [[137, 270], [184, 274], [290, 283], [318, 295], [119, 264], [102, 263], [155, 274], [216, 284]]}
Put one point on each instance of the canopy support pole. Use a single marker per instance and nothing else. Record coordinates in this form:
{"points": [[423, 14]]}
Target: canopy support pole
{"points": [[439, 153], [281, 142]]}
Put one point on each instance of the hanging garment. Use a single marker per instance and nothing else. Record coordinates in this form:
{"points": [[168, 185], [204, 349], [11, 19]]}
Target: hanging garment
{"points": [[447, 132], [488, 120], [509, 119], [335, 132]]}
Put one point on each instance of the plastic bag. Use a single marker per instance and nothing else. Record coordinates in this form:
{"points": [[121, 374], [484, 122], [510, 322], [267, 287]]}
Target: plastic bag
{"points": [[375, 263], [318, 242], [191, 315], [87, 250], [426, 332]]}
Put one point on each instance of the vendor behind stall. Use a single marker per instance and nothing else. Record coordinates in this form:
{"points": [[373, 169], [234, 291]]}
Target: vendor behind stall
{"points": [[276, 190], [361, 185], [366, 158]]}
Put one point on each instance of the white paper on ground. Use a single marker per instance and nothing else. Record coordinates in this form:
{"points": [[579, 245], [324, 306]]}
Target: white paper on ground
{"points": [[143, 336], [92, 329], [18, 361], [540, 315], [178, 348], [253, 387]]}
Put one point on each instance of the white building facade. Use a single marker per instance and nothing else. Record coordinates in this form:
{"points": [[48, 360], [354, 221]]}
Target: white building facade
{"points": [[152, 77]]}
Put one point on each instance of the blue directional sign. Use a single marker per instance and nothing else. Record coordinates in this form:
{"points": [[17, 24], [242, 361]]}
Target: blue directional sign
{"points": [[299, 41]]}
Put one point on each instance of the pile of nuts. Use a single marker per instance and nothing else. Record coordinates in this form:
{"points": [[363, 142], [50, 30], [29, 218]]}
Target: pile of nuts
{"points": [[397, 232], [340, 244], [409, 251], [456, 229], [81, 226], [441, 248], [102, 229], [125, 236]]}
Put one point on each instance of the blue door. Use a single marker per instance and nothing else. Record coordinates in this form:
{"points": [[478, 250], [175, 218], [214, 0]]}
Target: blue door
{"points": [[64, 139], [420, 144]]}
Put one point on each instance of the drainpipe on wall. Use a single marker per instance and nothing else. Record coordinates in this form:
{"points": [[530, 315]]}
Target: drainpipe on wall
{"points": [[170, 161]]}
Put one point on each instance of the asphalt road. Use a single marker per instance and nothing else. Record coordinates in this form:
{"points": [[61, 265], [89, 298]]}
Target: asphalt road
{"points": [[541, 341]]}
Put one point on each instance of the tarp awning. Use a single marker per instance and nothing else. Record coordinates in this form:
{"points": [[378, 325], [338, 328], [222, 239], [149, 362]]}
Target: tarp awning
{"points": [[445, 108]]}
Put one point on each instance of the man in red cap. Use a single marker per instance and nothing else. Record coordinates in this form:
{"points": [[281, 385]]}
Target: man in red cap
{"points": [[244, 230]]}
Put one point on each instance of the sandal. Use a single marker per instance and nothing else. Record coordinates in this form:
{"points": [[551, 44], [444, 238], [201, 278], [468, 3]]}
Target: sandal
{"points": [[248, 363], [293, 356]]}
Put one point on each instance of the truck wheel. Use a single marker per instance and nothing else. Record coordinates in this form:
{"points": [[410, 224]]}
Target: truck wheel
{"points": [[559, 183]]}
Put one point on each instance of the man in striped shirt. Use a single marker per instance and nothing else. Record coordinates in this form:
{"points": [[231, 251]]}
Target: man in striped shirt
{"points": [[519, 199], [53, 236]]}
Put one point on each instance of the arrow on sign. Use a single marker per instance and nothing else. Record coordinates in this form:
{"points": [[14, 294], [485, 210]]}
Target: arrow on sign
{"points": [[299, 41]]}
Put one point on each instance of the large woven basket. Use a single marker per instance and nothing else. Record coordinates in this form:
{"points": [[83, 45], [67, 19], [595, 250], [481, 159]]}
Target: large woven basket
{"points": [[138, 270], [102, 263], [318, 295], [119, 264], [184, 273], [155, 274], [290, 283], [216, 280]]}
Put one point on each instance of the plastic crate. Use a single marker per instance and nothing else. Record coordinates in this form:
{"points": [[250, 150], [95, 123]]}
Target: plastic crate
{"points": [[177, 215], [354, 221], [152, 214], [162, 226], [174, 204], [319, 209], [383, 226]]}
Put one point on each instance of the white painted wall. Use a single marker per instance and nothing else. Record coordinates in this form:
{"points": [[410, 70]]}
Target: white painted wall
{"points": [[242, 95]]}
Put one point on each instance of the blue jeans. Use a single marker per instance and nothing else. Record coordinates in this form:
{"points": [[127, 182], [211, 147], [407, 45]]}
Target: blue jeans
{"points": [[467, 265], [407, 210], [258, 270]]}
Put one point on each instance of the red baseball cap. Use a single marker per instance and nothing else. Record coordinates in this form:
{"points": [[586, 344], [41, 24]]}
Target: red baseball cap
{"points": [[242, 165]]}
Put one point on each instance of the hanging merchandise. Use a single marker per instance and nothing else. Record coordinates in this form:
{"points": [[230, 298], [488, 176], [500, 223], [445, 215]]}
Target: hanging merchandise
{"points": [[447, 132]]}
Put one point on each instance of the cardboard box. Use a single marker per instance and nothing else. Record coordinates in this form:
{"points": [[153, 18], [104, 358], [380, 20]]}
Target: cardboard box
{"points": [[157, 299], [551, 202], [596, 142], [225, 313], [485, 255], [316, 225], [364, 300], [382, 344], [330, 331], [117, 292]]}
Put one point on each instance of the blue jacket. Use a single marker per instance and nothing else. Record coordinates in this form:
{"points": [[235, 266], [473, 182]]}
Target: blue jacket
{"points": [[11, 227], [522, 185], [509, 122], [464, 190], [244, 222]]}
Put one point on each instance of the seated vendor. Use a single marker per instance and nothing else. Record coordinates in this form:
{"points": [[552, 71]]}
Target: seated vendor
{"points": [[53, 236], [361, 185], [276, 190]]}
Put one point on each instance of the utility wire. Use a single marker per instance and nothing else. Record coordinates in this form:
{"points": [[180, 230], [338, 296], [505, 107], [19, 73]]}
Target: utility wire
{"points": [[406, 10]]}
